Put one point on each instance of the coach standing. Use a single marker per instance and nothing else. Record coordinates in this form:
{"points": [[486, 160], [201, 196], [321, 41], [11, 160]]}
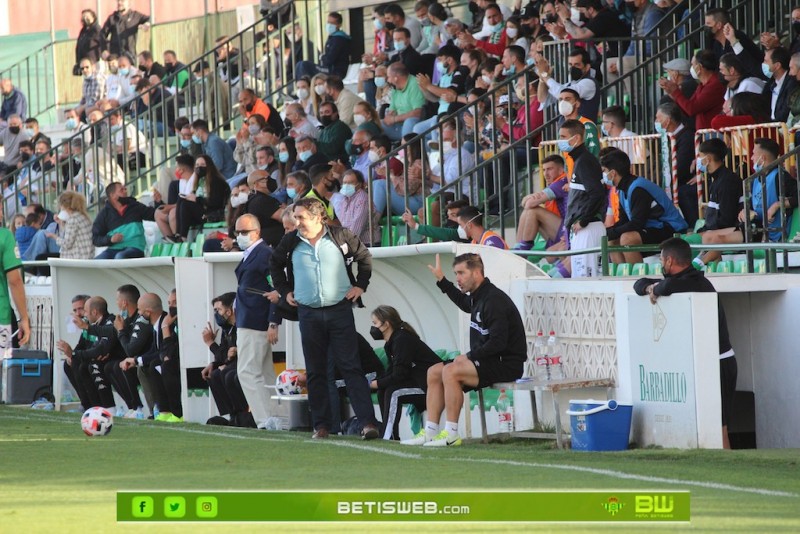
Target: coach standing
{"points": [[312, 267], [12, 285], [254, 318]]}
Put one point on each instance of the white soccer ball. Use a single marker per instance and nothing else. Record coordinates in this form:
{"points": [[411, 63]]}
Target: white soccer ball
{"points": [[288, 383], [97, 421]]}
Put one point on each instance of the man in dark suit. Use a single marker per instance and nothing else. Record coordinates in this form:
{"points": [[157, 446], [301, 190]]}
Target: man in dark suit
{"points": [[780, 85]]}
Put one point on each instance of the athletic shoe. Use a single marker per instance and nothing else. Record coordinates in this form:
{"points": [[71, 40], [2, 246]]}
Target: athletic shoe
{"points": [[419, 439], [163, 416], [444, 439], [120, 412], [523, 245], [130, 414], [140, 413], [174, 419]]}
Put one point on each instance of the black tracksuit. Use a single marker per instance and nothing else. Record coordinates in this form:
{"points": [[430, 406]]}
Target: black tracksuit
{"points": [[496, 334], [132, 341], [87, 373], [166, 383], [405, 381], [587, 195], [725, 200], [224, 383]]}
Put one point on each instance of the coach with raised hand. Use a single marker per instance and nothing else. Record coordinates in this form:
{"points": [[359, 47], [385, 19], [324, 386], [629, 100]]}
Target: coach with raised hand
{"points": [[311, 267]]}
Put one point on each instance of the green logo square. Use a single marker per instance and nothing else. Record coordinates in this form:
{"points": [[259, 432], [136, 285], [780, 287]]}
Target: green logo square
{"points": [[207, 507], [142, 506], [174, 507]]}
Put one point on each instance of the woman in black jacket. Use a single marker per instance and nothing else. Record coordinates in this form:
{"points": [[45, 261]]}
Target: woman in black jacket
{"points": [[91, 43], [208, 199], [405, 379]]}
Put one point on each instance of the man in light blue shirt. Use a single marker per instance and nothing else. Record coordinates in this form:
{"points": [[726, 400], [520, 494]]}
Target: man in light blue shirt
{"points": [[219, 151], [311, 267]]}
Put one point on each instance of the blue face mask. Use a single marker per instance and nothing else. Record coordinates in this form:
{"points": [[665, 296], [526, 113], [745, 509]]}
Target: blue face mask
{"points": [[283, 157], [400, 46], [124, 72], [304, 155], [378, 23], [660, 129], [380, 81], [71, 124], [291, 192], [702, 167], [440, 67], [123, 314], [766, 71], [330, 28], [510, 71], [498, 27], [604, 130], [348, 190], [529, 61], [564, 146], [606, 180], [196, 140], [185, 143], [758, 166]]}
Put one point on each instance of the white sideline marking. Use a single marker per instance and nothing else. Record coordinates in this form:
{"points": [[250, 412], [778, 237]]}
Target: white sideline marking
{"points": [[390, 452], [630, 476], [603, 472]]}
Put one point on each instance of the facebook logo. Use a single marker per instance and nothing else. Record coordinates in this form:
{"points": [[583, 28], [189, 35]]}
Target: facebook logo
{"points": [[142, 507]]}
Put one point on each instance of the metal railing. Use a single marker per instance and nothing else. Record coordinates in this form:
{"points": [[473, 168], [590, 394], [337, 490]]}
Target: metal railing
{"points": [[135, 143]]}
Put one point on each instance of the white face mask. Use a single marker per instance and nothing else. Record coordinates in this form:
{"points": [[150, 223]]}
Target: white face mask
{"points": [[319, 89], [302, 94], [373, 156], [511, 32], [244, 241], [447, 146], [462, 234], [693, 73], [63, 215], [238, 200], [487, 80], [359, 119], [565, 108]]}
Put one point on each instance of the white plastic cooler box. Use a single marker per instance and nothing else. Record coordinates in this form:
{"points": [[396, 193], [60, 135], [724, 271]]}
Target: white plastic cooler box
{"points": [[26, 376]]}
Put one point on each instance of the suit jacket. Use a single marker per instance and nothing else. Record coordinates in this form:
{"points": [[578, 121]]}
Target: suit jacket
{"points": [[782, 106]]}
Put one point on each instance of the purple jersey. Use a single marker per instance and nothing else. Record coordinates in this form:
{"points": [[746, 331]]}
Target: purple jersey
{"points": [[555, 191]]}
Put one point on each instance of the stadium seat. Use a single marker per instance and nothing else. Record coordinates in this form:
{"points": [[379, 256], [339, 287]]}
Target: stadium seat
{"points": [[398, 231], [692, 239], [639, 269], [654, 269], [623, 269], [740, 266], [725, 266], [181, 250], [156, 250]]}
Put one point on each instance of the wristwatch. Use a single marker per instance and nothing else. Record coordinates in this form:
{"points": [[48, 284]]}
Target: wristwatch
{"points": [[273, 325]]}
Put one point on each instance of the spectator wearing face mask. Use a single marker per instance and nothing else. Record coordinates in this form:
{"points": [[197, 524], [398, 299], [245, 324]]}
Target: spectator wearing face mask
{"points": [[119, 227], [10, 140], [91, 43], [334, 134], [351, 206]]}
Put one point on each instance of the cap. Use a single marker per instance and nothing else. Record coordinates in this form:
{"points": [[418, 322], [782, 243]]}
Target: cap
{"points": [[679, 64], [502, 100], [530, 11], [200, 66]]}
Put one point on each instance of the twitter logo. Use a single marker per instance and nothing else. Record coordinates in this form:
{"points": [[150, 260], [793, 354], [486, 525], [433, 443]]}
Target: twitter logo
{"points": [[174, 507]]}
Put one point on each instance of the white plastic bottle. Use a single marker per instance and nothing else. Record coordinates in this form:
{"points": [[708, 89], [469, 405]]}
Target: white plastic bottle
{"points": [[540, 357], [556, 354], [504, 415]]}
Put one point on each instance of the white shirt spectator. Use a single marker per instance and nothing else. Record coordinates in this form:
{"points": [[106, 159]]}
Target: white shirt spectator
{"points": [[486, 30], [304, 129], [747, 85], [451, 169]]}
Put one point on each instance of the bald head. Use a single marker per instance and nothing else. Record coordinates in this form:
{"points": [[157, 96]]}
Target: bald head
{"points": [[6, 86], [248, 221], [150, 307], [258, 180]]}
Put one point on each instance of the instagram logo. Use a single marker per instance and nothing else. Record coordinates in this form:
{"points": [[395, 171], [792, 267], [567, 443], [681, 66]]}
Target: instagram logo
{"points": [[207, 507]]}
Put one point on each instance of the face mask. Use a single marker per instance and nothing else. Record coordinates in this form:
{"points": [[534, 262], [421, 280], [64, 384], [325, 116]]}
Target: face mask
{"points": [[390, 26], [796, 26], [13, 129], [220, 320], [756, 167], [564, 146], [462, 234], [319, 89], [529, 61], [71, 124], [169, 66], [348, 190], [249, 107], [283, 157], [425, 21], [486, 79], [575, 74], [511, 71], [373, 156], [124, 71], [330, 28], [238, 200], [447, 146], [186, 143], [355, 150], [30, 132], [287, 123], [200, 172], [123, 314], [302, 94], [376, 333], [173, 311], [196, 140], [359, 119], [440, 66], [565, 108], [604, 130], [326, 120], [263, 167], [400, 46], [497, 27], [693, 73], [511, 32], [380, 81], [24, 156], [304, 155], [254, 129], [243, 241], [378, 23], [702, 167], [659, 128], [63, 215], [291, 192], [606, 180], [765, 70]]}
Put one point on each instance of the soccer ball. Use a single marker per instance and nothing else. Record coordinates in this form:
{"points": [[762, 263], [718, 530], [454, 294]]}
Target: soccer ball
{"points": [[97, 421], [287, 383]]}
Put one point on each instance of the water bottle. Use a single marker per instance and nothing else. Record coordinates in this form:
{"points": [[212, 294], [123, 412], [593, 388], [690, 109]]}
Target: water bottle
{"points": [[556, 354], [156, 411], [504, 416], [542, 358]]}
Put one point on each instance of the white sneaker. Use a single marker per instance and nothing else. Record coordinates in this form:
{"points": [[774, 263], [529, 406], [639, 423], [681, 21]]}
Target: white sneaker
{"points": [[444, 439], [140, 414], [120, 412], [130, 414], [420, 439]]}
